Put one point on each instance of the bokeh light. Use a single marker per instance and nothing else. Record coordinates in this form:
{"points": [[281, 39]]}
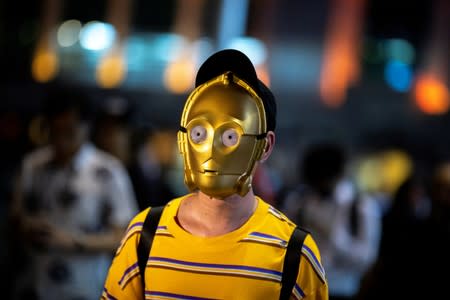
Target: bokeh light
{"points": [[399, 50], [252, 47], [431, 95], [68, 32], [97, 35], [179, 76], [168, 47], [45, 65], [398, 75], [263, 74], [111, 71], [384, 171]]}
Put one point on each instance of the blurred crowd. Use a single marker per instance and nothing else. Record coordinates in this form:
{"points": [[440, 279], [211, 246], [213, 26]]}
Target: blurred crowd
{"points": [[69, 199]]}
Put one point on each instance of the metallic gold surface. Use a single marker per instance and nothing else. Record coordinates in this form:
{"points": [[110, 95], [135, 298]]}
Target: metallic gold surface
{"points": [[223, 126]]}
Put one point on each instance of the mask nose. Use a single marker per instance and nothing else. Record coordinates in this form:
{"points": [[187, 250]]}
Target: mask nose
{"points": [[210, 165]]}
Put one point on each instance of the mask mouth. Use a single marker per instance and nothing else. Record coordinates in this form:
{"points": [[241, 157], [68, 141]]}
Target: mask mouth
{"points": [[210, 172]]}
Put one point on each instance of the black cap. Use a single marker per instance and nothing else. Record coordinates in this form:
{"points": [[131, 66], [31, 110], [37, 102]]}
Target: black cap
{"points": [[239, 64]]}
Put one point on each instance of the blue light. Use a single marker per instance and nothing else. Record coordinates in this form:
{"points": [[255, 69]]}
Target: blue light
{"points": [[254, 48], [398, 75], [400, 49], [168, 46], [97, 35]]}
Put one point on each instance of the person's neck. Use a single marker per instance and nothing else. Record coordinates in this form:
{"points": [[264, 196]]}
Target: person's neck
{"points": [[206, 216]]}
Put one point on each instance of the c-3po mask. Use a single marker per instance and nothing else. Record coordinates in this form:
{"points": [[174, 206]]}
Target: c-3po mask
{"points": [[222, 136]]}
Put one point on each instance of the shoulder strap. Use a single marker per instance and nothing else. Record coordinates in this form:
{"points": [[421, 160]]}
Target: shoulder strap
{"points": [[146, 240], [291, 262]]}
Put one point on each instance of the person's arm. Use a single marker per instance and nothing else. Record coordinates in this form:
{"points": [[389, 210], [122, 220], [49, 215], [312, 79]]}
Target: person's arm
{"points": [[360, 250], [121, 200], [29, 227], [123, 280], [122, 204], [311, 281], [53, 237]]}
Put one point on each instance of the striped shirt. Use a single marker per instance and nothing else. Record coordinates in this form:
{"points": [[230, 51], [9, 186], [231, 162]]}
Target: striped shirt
{"points": [[243, 264]]}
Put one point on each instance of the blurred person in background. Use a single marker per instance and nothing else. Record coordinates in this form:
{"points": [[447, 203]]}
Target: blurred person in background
{"points": [[72, 204], [146, 152], [345, 223], [419, 243], [112, 130], [403, 221]]}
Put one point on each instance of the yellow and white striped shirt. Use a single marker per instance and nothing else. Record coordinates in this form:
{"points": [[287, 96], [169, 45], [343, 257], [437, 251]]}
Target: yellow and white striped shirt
{"points": [[246, 263]]}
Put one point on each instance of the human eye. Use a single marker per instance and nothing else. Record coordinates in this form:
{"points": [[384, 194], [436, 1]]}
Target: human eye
{"points": [[198, 134], [230, 137]]}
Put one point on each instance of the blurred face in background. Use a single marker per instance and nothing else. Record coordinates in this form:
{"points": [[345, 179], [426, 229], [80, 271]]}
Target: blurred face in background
{"points": [[67, 132], [113, 137]]}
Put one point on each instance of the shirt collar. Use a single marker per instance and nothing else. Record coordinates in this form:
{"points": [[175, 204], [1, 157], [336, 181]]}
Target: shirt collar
{"points": [[81, 158]]}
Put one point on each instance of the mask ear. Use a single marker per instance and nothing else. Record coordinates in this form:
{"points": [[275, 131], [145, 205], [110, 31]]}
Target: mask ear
{"points": [[182, 148], [260, 148], [181, 139]]}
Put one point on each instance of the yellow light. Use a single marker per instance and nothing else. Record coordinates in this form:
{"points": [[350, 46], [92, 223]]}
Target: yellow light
{"points": [[45, 65], [111, 71], [384, 171], [396, 166], [432, 96], [369, 174], [179, 76]]}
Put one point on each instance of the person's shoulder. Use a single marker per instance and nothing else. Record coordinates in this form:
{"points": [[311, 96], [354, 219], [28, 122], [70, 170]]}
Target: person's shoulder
{"points": [[274, 222], [104, 161], [278, 216], [271, 213], [38, 157], [104, 157], [140, 217]]}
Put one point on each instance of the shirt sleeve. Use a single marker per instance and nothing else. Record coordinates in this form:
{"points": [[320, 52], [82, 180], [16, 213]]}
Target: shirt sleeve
{"points": [[28, 173], [311, 281], [123, 280]]}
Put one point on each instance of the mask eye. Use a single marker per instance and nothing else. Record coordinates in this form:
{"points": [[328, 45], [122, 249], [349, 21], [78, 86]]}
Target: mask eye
{"points": [[198, 134], [230, 137]]}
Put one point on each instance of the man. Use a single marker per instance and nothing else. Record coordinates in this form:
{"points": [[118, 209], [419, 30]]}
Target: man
{"points": [[72, 206], [220, 241]]}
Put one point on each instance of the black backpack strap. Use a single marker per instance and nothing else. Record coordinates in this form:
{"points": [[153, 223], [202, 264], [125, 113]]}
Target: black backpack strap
{"points": [[146, 240], [291, 262]]}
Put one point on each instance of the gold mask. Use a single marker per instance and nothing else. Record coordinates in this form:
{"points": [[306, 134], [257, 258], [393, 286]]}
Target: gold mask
{"points": [[222, 136]]}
